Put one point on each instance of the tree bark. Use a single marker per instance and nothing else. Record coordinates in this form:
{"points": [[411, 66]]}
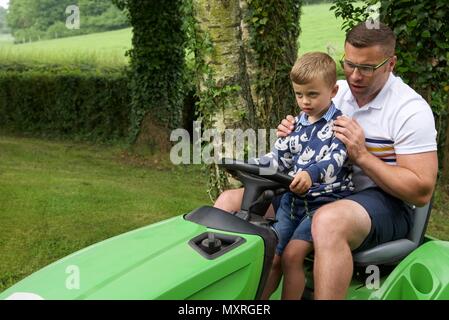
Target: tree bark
{"points": [[234, 62], [220, 21]]}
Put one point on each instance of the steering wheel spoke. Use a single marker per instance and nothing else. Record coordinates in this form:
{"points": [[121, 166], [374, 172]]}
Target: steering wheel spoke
{"points": [[256, 181]]}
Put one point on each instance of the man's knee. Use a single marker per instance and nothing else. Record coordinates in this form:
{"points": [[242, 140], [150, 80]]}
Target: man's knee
{"points": [[224, 196], [343, 222], [328, 225], [229, 200]]}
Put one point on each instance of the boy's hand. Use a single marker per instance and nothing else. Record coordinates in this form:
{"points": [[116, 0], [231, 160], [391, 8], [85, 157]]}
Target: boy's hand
{"points": [[301, 183], [286, 127]]}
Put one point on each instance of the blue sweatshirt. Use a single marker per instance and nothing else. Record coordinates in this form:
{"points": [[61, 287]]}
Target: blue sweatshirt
{"points": [[315, 149]]}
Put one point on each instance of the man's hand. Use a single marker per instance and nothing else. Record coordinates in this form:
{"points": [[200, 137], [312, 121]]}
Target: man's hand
{"points": [[352, 135], [301, 183], [286, 127]]}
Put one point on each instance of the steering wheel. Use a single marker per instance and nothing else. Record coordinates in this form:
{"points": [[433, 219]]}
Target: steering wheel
{"points": [[261, 184]]}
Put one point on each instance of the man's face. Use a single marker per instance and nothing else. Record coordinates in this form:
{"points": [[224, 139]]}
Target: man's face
{"points": [[314, 97], [365, 87]]}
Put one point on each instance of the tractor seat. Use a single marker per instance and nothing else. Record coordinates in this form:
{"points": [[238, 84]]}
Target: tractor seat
{"points": [[394, 251]]}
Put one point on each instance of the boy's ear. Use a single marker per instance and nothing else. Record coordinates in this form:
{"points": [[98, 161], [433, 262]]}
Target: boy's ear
{"points": [[334, 90]]}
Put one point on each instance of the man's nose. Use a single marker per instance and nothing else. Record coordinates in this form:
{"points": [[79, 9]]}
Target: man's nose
{"points": [[356, 75]]}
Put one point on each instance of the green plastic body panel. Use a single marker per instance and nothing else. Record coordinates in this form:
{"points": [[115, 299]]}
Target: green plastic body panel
{"points": [[422, 275], [154, 262]]}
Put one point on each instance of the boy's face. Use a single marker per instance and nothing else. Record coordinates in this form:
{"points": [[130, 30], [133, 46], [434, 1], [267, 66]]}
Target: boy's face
{"points": [[314, 97]]}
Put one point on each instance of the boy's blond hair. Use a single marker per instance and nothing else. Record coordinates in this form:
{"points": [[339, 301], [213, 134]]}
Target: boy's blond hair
{"points": [[314, 65]]}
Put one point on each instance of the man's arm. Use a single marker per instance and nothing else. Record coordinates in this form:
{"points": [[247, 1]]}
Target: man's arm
{"points": [[412, 179]]}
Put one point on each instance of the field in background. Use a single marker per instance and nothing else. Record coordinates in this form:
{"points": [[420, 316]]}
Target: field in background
{"points": [[102, 49], [5, 39], [320, 32]]}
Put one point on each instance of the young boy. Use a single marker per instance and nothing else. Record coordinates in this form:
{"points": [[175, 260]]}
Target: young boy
{"points": [[318, 162]]}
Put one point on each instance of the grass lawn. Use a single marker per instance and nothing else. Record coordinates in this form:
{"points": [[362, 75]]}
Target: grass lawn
{"points": [[439, 219], [58, 197]]}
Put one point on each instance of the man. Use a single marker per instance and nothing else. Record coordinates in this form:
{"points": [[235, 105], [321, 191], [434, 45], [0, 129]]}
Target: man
{"points": [[390, 136]]}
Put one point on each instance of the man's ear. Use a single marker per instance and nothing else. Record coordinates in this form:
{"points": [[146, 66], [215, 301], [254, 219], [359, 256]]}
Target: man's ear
{"points": [[334, 91], [392, 63]]}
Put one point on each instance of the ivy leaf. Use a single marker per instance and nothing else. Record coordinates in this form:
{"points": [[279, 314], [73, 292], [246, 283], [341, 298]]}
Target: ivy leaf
{"points": [[412, 23], [425, 34]]}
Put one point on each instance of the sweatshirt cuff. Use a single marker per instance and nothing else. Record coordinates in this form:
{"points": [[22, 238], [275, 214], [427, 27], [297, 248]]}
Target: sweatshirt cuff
{"points": [[314, 173]]}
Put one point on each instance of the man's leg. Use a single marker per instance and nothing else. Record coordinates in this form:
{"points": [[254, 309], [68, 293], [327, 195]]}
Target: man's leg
{"points": [[337, 228], [231, 201]]}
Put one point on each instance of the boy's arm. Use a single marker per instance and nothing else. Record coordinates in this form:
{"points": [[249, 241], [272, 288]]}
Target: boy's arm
{"points": [[327, 169], [280, 157]]}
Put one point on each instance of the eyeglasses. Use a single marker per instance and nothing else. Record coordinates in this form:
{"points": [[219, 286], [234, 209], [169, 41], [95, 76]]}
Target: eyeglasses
{"points": [[364, 69]]}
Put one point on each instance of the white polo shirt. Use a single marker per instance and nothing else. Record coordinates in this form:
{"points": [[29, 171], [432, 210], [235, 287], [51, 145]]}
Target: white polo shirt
{"points": [[397, 121]]}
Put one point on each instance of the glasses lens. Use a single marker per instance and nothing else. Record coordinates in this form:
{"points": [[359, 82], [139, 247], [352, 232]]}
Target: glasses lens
{"points": [[366, 71], [349, 67], [346, 66]]}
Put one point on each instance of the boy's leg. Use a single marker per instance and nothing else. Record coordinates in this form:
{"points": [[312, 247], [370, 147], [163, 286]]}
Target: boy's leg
{"points": [[273, 278], [293, 268], [285, 226]]}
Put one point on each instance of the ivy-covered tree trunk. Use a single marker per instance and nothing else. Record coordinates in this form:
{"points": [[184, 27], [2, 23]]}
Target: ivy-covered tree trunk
{"points": [[253, 45], [270, 38], [157, 69], [246, 51], [223, 83]]}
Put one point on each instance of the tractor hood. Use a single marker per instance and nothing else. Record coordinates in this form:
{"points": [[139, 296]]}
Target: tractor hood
{"points": [[154, 262]]}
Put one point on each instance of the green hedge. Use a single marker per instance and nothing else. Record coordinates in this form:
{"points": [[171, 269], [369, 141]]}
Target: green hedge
{"points": [[82, 104]]}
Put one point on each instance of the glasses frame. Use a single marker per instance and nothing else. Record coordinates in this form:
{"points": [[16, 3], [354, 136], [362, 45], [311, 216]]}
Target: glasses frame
{"points": [[365, 66]]}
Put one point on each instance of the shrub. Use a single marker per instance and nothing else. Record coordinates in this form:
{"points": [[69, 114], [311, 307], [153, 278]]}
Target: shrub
{"points": [[65, 102]]}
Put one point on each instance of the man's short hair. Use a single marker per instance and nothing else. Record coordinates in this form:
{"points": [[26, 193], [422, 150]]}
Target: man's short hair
{"points": [[362, 37], [313, 65]]}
